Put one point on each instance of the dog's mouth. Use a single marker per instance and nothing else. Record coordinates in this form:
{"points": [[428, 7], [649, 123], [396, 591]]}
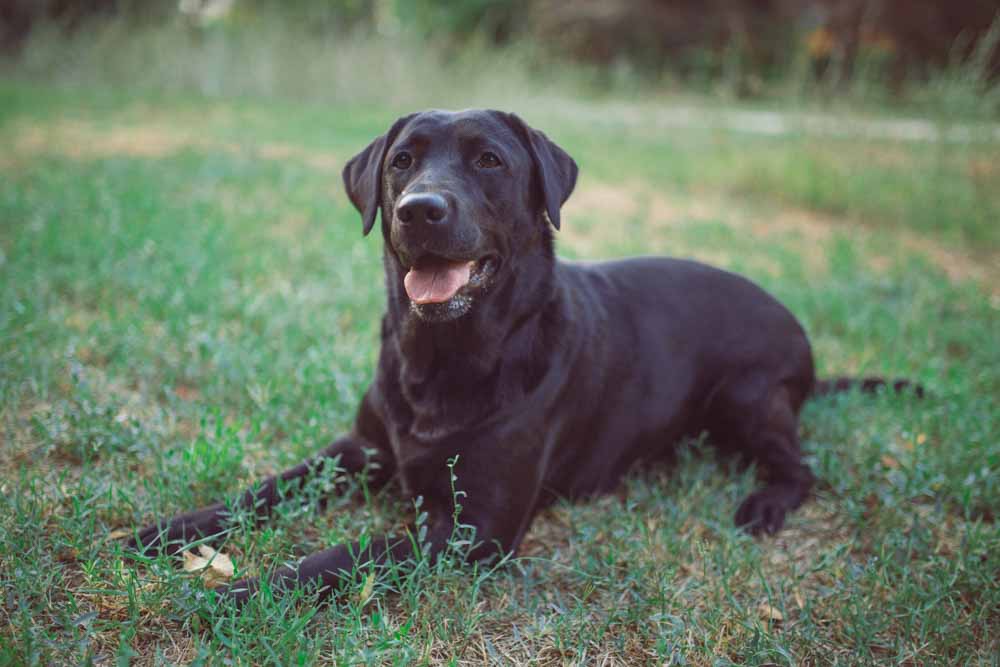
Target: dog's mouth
{"points": [[437, 279]]}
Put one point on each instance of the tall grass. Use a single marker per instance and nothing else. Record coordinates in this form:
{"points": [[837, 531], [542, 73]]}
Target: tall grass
{"points": [[262, 59], [264, 55]]}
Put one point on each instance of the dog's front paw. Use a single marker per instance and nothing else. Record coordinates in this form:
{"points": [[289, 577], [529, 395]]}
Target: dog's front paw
{"points": [[764, 511], [173, 534]]}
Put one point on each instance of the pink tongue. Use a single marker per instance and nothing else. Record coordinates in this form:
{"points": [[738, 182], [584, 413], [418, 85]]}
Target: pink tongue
{"points": [[436, 284]]}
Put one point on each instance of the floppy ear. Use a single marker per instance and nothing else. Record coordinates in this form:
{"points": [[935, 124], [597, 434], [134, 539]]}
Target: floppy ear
{"points": [[556, 170], [363, 175]]}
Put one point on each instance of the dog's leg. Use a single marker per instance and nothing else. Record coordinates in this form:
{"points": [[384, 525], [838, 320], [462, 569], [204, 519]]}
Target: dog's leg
{"points": [[350, 455], [329, 570], [499, 519], [773, 442]]}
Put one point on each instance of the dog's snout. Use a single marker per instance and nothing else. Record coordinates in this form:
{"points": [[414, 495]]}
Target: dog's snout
{"points": [[421, 207]]}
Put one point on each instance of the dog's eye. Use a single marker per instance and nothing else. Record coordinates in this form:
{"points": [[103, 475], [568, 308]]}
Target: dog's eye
{"points": [[488, 161], [402, 160]]}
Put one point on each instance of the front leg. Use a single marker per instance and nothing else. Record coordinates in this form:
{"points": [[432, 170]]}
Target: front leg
{"points": [[366, 448], [498, 508], [351, 454], [331, 569]]}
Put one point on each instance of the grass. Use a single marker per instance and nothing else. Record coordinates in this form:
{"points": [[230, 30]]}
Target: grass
{"points": [[187, 304]]}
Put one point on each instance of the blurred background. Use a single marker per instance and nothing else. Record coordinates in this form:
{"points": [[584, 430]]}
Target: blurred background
{"points": [[922, 54]]}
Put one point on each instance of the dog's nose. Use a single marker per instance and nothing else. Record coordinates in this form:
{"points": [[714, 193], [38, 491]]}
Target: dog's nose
{"points": [[421, 207]]}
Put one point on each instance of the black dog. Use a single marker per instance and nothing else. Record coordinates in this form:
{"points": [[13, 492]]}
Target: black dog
{"points": [[544, 378]]}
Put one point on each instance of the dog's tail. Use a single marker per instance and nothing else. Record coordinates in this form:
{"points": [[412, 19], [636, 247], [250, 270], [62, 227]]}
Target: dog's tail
{"points": [[869, 385]]}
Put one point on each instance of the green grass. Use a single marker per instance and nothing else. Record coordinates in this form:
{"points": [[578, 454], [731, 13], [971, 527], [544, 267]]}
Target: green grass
{"points": [[187, 304]]}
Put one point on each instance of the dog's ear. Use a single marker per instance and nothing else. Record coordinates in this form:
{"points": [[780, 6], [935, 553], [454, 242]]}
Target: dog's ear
{"points": [[363, 174], [556, 170]]}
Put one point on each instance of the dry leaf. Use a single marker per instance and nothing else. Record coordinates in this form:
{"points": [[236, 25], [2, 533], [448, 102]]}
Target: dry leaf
{"points": [[921, 438], [769, 613], [118, 533], [215, 567], [799, 601], [889, 462], [367, 589]]}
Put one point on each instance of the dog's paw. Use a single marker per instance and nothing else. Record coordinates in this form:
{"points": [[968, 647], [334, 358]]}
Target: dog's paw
{"points": [[173, 534], [763, 512]]}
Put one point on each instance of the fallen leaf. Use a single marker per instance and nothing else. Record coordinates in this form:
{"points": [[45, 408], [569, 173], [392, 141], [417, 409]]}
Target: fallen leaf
{"points": [[118, 533], [799, 601], [769, 613], [889, 462], [921, 438], [215, 567]]}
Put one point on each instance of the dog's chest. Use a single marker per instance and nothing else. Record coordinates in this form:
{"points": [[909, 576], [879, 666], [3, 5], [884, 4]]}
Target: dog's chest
{"points": [[423, 441], [422, 466]]}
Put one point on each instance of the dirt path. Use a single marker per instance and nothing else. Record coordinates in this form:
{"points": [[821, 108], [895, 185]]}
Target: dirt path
{"points": [[85, 141], [780, 123]]}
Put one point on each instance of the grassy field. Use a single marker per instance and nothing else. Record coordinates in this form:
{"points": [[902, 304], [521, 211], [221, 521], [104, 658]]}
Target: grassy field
{"points": [[187, 304]]}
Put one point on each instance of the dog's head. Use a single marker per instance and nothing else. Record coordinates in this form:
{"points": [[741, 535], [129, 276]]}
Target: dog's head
{"points": [[463, 195]]}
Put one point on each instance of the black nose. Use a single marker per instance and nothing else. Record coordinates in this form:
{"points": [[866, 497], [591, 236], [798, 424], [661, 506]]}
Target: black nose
{"points": [[421, 207]]}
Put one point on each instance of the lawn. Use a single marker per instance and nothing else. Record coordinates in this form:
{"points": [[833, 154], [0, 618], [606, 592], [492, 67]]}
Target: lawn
{"points": [[187, 304]]}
